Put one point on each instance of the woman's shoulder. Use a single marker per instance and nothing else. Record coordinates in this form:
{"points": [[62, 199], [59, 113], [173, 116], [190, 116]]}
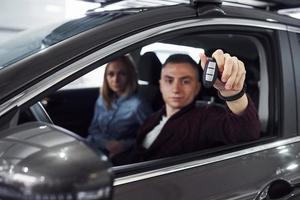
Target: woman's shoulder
{"points": [[136, 101], [99, 101], [138, 104]]}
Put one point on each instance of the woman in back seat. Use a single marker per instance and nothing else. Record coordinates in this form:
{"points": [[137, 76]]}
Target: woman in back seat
{"points": [[118, 111]]}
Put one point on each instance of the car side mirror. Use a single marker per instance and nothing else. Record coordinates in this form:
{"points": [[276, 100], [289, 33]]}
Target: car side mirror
{"points": [[41, 161]]}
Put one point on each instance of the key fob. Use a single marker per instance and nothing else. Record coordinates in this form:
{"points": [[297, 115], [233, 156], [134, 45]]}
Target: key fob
{"points": [[210, 73]]}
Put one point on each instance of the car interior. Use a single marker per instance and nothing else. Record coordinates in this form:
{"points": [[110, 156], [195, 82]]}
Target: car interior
{"points": [[73, 108]]}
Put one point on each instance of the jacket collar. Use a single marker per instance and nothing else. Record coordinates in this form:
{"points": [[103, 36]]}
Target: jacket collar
{"points": [[163, 136], [180, 112]]}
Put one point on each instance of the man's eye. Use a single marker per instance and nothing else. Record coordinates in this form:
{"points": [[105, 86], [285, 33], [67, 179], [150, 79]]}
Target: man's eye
{"points": [[186, 82], [169, 81]]}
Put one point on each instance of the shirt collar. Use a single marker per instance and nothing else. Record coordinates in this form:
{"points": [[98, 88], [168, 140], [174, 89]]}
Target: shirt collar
{"points": [[120, 99]]}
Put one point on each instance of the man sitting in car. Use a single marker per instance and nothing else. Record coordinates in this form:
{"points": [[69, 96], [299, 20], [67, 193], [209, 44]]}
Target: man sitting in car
{"points": [[181, 127]]}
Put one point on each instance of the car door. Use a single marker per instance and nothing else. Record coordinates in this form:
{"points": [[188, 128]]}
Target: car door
{"points": [[237, 175]]}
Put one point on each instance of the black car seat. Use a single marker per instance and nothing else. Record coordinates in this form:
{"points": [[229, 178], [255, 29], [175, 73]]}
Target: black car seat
{"points": [[252, 80], [149, 68]]}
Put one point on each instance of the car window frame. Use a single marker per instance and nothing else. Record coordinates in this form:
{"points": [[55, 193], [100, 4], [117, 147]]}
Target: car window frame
{"points": [[287, 120], [294, 41]]}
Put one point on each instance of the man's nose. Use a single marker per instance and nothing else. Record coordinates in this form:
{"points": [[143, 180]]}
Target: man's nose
{"points": [[176, 87]]}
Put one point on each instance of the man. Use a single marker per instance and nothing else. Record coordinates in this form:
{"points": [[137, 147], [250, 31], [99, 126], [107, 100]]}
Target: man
{"points": [[181, 127]]}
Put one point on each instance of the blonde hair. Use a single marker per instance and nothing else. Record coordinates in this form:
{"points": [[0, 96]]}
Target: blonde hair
{"points": [[131, 87]]}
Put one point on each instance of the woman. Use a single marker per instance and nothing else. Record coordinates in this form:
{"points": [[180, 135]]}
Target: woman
{"points": [[118, 110]]}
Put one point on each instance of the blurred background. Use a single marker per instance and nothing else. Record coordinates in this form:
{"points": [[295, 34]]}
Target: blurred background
{"points": [[20, 15]]}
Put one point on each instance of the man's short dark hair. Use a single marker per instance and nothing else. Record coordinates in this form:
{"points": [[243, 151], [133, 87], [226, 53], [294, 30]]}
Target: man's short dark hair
{"points": [[183, 58]]}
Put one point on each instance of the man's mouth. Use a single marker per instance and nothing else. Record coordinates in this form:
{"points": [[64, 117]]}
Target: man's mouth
{"points": [[176, 98]]}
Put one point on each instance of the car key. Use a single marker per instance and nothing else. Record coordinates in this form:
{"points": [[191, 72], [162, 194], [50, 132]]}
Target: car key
{"points": [[210, 73]]}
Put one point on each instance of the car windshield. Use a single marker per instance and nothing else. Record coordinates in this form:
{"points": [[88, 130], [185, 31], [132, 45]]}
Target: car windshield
{"points": [[33, 41]]}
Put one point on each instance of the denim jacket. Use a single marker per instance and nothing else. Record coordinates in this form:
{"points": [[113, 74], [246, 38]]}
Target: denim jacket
{"points": [[118, 123]]}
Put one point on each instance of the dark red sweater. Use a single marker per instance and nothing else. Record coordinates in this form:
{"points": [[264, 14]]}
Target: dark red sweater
{"points": [[194, 128]]}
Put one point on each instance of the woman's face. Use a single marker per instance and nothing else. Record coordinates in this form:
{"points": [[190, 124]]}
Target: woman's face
{"points": [[116, 77]]}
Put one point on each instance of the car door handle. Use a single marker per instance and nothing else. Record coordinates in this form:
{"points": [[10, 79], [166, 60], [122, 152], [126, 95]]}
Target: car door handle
{"points": [[277, 189]]}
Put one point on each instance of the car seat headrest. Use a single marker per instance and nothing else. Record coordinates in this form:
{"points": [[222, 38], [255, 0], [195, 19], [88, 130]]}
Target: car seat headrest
{"points": [[149, 68]]}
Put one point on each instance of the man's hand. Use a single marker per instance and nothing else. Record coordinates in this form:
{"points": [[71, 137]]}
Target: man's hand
{"points": [[232, 72], [233, 75]]}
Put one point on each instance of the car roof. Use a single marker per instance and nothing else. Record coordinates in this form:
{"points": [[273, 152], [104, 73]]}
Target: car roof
{"points": [[264, 4]]}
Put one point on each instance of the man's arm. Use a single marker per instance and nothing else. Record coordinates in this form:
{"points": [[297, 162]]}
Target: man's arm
{"points": [[238, 106]]}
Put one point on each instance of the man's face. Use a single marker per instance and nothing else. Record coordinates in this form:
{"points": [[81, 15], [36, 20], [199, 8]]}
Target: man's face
{"points": [[178, 85]]}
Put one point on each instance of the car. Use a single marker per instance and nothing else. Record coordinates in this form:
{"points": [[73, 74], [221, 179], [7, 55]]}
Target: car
{"points": [[46, 105]]}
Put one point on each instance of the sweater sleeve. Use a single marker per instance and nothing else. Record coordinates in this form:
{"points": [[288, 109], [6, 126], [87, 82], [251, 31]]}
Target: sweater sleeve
{"points": [[223, 126]]}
